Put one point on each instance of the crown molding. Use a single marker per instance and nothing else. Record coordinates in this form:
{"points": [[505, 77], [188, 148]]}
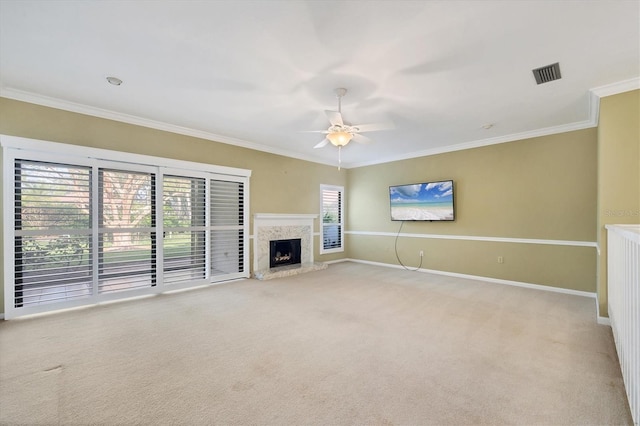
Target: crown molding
{"points": [[616, 88], [483, 142], [33, 98], [594, 112], [594, 109], [609, 90]]}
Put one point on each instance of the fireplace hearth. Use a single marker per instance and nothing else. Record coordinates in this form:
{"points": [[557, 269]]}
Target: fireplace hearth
{"points": [[268, 227], [284, 252]]}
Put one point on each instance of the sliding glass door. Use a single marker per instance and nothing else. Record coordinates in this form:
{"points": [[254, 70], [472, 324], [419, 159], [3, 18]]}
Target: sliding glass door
{"points": [[89, 230]]}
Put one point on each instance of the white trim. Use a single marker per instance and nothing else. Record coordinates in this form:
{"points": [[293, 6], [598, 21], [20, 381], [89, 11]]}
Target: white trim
{"points": [[580, 125], [339, 189], [283, 217], [601, 320], [594, 105], [8, 229], [617, 88], [330, 262], [485, 279], [480, 238], [610, 89], [49, 148], [630, 231], [594, 112], [315, 234], [23, 96]]}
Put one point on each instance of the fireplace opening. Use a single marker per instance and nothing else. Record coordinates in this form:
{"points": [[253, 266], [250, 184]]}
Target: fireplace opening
{"points": [[284, 252]]}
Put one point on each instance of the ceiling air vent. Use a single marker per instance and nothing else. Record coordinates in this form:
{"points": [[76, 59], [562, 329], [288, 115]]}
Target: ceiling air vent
{"points": [[548, 73]]}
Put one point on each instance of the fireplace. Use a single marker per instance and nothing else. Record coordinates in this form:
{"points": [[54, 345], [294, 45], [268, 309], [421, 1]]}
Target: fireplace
{"points": [[270, 227], [284, 252]]}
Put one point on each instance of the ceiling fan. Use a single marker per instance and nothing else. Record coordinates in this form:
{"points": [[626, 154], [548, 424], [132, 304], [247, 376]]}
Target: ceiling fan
{"points": [[340, 134]]}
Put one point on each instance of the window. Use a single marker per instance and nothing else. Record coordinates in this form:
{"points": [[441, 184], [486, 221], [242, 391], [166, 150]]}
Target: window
{"points": [[227, 227], [52, 238], [85, 230], [332, 214], [184, 233], [127, 234]]}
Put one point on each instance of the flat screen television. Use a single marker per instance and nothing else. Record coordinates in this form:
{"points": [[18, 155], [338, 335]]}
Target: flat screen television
{"points": [[427, 201]]}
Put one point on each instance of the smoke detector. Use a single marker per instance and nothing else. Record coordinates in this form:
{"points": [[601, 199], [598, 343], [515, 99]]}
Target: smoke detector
{"points": [[114, 80]]}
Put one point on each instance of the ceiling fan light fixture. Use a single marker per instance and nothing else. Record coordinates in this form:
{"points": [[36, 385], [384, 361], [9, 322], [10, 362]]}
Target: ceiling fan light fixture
{"points": [[339, 138]]}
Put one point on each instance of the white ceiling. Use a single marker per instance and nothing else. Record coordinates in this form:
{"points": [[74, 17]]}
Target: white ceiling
{"points": [[259, 73]]}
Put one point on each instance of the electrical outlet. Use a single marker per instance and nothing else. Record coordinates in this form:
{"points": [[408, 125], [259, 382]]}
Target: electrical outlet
{"points": [[421, 253], [500, 259]]}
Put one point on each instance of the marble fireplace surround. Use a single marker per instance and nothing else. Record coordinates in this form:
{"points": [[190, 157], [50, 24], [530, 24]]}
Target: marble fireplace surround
{"points": [[276, 226]]}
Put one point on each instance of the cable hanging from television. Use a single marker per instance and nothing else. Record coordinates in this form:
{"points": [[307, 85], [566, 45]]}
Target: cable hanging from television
{"points": [[398, 256]]}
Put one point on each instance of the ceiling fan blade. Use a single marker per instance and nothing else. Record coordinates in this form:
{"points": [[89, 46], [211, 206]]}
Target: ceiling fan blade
{"points": [[314, 131], [373, 127], [335, 118], [361, 139], [323, 143]]}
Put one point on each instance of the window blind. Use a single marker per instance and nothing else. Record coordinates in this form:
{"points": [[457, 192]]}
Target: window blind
{"points": [[127, 235], [52, 233], [90, 230], [227, 227], [332, 218], [184, 219]]}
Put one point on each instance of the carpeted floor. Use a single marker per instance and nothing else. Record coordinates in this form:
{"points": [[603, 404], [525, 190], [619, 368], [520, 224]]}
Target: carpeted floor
{"points": [[350, 345]]}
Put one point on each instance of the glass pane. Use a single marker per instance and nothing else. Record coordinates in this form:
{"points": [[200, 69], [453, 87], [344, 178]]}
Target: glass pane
{"points": [[126, 261], [51, 196], [53, 202], [227, 205], [184, 202], [126, 199], [184, 256], [52, 268], [332, 236], [127, 256], [227, 254], [331, 206], [184, 248]]}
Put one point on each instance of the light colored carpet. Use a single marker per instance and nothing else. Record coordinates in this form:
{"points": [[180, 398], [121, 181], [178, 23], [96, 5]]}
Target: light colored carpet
{"points": [[351, 345]]}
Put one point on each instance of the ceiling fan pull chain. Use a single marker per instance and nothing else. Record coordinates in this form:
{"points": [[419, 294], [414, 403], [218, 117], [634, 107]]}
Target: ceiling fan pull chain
{"points": [[339, 156]]}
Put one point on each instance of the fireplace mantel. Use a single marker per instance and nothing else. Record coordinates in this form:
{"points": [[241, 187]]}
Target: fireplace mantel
{"points": [[276, 226]]}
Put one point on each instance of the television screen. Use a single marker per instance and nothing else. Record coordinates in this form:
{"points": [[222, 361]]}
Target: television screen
{"points": [[429, 201]]}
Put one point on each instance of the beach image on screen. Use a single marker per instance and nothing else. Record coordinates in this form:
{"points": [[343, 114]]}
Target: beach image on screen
{"points": [[423, 201]]}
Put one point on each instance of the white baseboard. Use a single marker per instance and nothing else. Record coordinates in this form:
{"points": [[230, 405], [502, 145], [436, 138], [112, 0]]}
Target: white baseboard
{"points": [[485, 279], [601, 320], [329, 262]]}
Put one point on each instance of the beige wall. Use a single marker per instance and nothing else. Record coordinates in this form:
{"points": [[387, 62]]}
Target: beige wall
{"points": [[541, 188], [278, 184], [618, 173]]}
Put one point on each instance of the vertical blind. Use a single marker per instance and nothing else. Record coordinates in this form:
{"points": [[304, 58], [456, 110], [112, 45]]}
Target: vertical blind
{"points": [[83, 232]]}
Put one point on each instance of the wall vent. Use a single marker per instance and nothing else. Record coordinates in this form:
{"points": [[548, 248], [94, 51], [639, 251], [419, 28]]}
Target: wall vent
{"points": [[547, 73]]}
